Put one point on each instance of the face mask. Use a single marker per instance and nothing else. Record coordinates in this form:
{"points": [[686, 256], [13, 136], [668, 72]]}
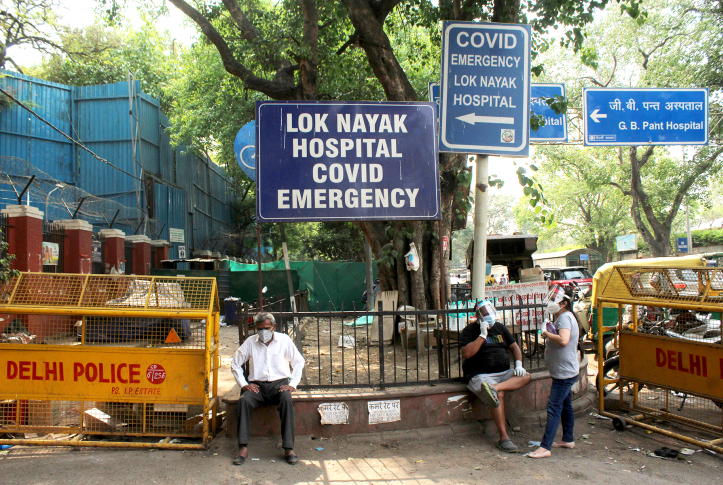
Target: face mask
{"points": [[265, 335], [489, 320], [553, 307]]}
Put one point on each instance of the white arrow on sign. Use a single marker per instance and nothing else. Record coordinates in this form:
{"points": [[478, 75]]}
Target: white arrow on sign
{"points": [[596, 116], [473, 118]]}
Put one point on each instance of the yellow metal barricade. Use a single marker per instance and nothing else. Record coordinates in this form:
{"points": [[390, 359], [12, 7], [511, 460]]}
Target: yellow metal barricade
{"points": [[116, 356], [670, 363]]}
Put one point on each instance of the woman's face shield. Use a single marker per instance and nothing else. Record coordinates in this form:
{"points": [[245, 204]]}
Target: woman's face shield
{"points": [[555, 295]]}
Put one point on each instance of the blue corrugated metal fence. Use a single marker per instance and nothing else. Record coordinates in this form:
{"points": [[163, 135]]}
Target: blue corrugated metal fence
{"points": [[184, 191]]}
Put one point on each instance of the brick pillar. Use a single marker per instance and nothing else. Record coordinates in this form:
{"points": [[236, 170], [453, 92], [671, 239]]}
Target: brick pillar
{"points": [[141, 254], [25, 237], [114, 249], [78, 246], [163, 252]]}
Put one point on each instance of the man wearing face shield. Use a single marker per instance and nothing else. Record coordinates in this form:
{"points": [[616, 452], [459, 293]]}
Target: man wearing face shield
{"points": [[486, 366], [271, 381]]}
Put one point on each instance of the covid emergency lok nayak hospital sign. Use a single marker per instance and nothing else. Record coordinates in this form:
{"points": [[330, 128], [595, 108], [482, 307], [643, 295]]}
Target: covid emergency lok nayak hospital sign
{"points": [[346, 161]]}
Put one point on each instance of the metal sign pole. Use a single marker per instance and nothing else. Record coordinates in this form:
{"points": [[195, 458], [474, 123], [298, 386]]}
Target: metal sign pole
{"points": [[479, 264], [260, 306]]}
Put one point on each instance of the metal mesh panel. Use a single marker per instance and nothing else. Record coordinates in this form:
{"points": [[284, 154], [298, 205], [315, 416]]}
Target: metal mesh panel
{"points": [[101, 418], [144, 332], [699, 412], [142, 314], [680, 285], [102, 291]]}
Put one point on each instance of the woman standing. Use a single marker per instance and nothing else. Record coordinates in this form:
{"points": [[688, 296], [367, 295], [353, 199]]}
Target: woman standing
{"points": [[562, 363]]}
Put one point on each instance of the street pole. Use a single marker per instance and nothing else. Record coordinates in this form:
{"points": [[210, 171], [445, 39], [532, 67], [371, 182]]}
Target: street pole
{"points": [[479, 263], [687, 224], [687, 211]]}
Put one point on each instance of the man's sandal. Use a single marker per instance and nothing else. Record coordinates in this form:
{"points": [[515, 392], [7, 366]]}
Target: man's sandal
{"points": [[507, 446], [489, 396]]}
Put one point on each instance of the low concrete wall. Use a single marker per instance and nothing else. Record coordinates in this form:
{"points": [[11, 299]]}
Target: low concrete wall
{"points": [[421, 407]]}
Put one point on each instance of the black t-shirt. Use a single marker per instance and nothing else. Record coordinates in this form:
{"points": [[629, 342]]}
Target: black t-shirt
{"points": [[492, 356]]}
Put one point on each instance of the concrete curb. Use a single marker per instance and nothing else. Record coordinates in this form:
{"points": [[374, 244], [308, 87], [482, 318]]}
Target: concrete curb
{"points": [[582, 407]]}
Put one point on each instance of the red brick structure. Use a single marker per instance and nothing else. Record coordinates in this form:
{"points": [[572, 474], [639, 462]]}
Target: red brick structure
{"points": [[162, 252], [114, 250], [141, 255], [25, 237], [78, 247]]}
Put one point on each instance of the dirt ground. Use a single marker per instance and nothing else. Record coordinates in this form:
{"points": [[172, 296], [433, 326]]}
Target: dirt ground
{"points": [[602, 456]]}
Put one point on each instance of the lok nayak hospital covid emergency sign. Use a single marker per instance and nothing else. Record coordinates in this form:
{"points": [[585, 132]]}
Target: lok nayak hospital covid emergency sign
{"points": [[345, 161]]}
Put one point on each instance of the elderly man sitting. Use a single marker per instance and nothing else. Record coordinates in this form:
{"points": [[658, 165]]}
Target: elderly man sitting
{"points": [[271, 381], [486, 366]]}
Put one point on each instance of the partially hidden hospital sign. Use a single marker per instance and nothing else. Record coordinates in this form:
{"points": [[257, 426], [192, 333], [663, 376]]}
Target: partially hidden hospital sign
{"points": [[485, 82], [555, 128], [346, 161]]}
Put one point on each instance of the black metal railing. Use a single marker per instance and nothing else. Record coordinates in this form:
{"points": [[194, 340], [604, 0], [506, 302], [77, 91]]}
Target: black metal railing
{"points": [[128, 252], [53, 257], [359, 349]]}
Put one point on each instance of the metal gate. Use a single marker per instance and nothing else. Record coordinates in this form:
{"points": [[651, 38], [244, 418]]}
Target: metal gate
{"points": [[129, 257], [53, 240], [670, 362], [117, 356]]}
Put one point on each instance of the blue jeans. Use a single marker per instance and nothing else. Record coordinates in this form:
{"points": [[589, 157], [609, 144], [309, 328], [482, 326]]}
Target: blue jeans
{"points": [[559, 407]]}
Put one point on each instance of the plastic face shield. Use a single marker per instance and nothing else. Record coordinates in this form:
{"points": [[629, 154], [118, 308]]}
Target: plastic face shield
{"points": [[485, 309], [555, 295]]}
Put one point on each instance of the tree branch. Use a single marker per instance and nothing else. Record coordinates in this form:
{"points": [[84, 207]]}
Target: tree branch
{"points": [[278, 89], [247, 29], [618, 186], [14, 64], [379, 52], [381, 9]]}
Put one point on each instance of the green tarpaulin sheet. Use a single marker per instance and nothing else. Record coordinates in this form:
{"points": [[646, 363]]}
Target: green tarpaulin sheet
{"points": [[331, 285]]}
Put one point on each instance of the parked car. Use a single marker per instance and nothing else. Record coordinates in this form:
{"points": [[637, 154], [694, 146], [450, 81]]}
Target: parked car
{"points": [[565, 276]]}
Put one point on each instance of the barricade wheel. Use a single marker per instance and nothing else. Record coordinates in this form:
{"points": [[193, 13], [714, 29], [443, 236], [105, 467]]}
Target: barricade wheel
{"points": [[619, 424]]}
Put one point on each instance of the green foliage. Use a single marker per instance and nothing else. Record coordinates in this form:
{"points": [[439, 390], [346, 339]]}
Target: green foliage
{"points": [[590, 212], [704, 237], [337, 241], [5, 272], [27, 23], [106, 55]]}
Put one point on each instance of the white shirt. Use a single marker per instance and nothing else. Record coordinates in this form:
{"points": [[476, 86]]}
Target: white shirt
{"points": [[268, 362]]}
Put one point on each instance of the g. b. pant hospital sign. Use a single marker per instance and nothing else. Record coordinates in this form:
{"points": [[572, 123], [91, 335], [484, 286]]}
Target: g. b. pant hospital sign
{"points": [[319, 161]]}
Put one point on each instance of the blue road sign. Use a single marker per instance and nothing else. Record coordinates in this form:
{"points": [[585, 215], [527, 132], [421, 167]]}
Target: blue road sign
{"points": [[682, 244], [485, 89], [434, 96], [346, 161], [555, 128], [243, 147], [645, 116]]}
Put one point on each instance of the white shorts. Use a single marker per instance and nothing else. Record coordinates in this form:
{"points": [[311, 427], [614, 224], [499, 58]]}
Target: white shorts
{"points": [[475, 384]]}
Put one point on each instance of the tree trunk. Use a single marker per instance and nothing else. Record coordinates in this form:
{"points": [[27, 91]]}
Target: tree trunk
{"points": [[419, 299]]}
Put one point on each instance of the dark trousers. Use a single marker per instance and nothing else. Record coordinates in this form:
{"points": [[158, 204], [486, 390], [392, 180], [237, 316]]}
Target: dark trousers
{"points": [[268, 394], [559, 408]]}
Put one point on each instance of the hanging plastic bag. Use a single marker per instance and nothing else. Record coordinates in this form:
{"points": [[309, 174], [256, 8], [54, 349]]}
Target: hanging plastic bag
{"points": [[412, 258]]}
